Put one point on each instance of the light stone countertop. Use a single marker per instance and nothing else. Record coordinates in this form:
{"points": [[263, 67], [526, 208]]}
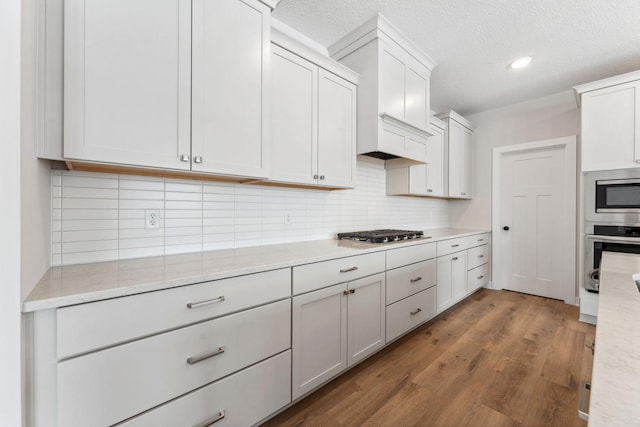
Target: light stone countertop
{"points": [[76, 284], [615, 384]]}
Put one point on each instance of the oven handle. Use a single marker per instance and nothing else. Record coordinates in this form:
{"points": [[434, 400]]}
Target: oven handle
{"points": [[614, 239]]}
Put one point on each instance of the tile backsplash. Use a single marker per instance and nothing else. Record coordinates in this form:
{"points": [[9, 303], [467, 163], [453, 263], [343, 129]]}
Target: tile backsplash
{"points": [[101, 217]]}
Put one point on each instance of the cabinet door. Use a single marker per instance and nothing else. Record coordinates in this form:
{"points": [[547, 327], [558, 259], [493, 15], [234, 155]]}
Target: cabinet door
{"points": [[417, 94], [459, 276], [465, 179], [294, 112], [418, 180], [455, 135], [319, 341], [392, 82], [451, 279], [336, 130], [127, 81], [366, 314], [230, 87], [435, 163], [611, 127]]}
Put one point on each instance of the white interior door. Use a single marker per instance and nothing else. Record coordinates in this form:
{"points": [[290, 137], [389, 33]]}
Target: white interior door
{"points": [[534, 223]]}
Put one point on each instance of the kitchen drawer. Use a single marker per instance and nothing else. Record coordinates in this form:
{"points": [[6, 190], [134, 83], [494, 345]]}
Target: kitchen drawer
{"points": [[476, 240], [410, 279], [446, 247], [122, 381], [477, 256], [85, 327], [408, 313], [477, 277], [243, 398], [409, 255], [310, 277]]}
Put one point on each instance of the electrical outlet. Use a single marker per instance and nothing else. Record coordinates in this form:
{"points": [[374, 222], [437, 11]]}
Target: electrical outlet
{"points": [[152, 219], [288, 218]]}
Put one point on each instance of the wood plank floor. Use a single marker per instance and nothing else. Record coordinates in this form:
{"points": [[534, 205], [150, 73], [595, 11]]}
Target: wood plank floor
{"points": [[498, 358]]}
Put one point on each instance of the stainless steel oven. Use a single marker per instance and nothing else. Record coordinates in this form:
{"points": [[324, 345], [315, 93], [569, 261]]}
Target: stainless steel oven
{"points": [[606, 237]]}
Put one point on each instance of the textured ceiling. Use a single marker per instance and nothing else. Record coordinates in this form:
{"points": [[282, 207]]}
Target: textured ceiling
{"points": [[473, 42]]}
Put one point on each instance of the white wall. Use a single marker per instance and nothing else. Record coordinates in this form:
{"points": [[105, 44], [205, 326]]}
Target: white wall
{"points": [[10, 316], [544, 118]]}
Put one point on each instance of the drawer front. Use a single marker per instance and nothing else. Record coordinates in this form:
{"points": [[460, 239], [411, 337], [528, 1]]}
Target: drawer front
{"points": [[410, 279], [243, 399], [446, 247], [410, 255], [108, 386], [477, 277], [318, 275], [477, 256], [85, 327], [410, 312], [477, 240]]}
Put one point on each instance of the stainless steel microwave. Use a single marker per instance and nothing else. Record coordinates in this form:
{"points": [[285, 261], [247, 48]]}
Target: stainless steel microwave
{"points": [[613, 196]]}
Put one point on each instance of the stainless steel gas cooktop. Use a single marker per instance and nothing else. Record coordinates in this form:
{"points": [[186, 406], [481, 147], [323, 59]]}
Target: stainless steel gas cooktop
{"points": [[381, 236]]}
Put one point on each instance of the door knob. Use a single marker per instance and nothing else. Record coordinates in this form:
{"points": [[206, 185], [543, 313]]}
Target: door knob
{"points": [[505, 228]]}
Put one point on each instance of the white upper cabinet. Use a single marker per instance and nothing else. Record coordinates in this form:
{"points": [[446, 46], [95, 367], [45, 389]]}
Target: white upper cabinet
{"points": [[393, 91], [230, 95], [458, 141], [610, 122], [420, 180], [170, 84], [127, 84], [313, 117]]}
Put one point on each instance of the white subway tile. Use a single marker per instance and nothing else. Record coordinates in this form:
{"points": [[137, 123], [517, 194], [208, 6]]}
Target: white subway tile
{"points": [[182, 213], [89, 193], [56, 260], [90, 224], [218, 221], [142, 242], [89, 246], [217, 213], [88, 257], [141, 195], [135, 233], [56, 203], [182, 222], [221, 237], [134, 223], [77, 214], [214, 246], [56, 237], [89, 203], [86, 182], [140, 252], [140, 184], [183, 231], [183, 187], [219, 188], [169, 204], [81, 236], [218, 206], [56, 179], [142, 204], [245, 243], [194, 197], [216, 229], [229, 198], [182, 249]]}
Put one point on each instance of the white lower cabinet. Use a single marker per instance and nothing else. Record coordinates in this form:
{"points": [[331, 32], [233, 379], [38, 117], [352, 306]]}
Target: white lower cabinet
{"points": [[242, 399], [477, 277], [451, 279], [335, 327], [410, 312], [122, 381]]}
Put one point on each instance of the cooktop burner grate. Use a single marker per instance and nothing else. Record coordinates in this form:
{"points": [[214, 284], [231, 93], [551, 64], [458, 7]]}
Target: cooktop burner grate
{"points": [[381, 236]]}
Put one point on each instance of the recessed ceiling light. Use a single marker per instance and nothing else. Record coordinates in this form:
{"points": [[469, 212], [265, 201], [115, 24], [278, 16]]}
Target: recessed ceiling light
{"points": [[521, 62]]}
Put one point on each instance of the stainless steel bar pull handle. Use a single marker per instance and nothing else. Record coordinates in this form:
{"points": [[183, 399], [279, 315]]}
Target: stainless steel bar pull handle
{"points": [[415, 312], [207, 302], [455, 258], [346, 270], [480, 240], [417, 279], [213, 420], [480, 256], [455, 246], [193, 360], [480, 277]]}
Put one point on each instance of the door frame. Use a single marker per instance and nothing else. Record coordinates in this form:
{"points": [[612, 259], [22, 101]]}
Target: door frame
{"points": [[569, 145]]}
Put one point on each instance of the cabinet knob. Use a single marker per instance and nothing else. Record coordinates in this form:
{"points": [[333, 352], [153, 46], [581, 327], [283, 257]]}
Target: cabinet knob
{"points": [[315, 176], [197, 159], [184, 158], [463, 194], [505, 228], [321, 176], [429, 190]]}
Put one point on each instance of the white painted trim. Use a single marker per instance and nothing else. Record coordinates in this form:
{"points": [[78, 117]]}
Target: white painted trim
{"points": [[297, 43], [608, 82], [457, 117], [570, 145], [378, 27]]}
